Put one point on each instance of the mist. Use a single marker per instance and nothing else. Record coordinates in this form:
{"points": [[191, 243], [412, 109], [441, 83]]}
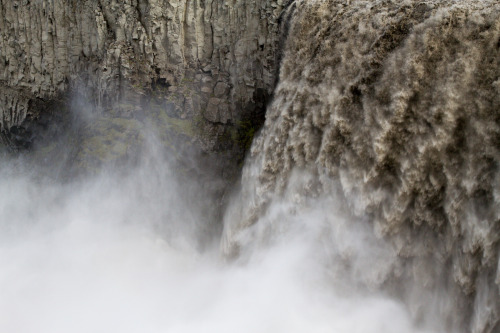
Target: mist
{"points": [[250, 166], [134, 248]]}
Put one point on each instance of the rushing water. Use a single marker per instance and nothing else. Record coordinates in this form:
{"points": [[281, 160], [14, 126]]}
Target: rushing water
{"points": [[391, 108], [369, 202]]}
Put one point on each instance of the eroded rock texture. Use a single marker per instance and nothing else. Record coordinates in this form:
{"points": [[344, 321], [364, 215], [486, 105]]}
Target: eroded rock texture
{"points": [[215, 60], [398, 102]]}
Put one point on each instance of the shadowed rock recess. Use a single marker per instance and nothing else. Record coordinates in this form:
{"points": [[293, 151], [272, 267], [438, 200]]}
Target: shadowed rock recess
{"points": [[394, 107], [390, 107]]}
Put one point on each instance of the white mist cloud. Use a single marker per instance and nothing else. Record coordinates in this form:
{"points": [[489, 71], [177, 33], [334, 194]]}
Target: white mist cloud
{"points": [[119, 252], [87, 258]]}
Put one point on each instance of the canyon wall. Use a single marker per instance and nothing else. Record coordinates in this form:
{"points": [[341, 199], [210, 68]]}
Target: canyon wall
{"points": [[215, 61]]}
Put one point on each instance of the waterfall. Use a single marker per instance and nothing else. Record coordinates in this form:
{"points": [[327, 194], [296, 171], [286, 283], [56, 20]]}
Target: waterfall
{"points": [[386, 114], [369, 201]]}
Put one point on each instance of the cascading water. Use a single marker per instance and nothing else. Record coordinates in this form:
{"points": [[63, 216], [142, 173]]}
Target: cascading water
{"points": [[369, 202], [391, 110]]}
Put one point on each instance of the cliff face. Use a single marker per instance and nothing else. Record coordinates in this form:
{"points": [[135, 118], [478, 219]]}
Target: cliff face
{"points": [[213, 60], [398, 104]]}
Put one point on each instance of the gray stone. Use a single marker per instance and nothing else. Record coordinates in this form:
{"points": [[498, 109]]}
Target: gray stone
{"points": [[221, 89], [224, 113], [206, 89], [48, 47], [212, 110]]}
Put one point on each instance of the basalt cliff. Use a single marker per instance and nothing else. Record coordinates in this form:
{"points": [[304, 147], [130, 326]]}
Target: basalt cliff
{"points": [[210, 61]]}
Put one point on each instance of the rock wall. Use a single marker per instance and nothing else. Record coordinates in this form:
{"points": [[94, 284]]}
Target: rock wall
{"points": [[398, 103], [212, 59]]}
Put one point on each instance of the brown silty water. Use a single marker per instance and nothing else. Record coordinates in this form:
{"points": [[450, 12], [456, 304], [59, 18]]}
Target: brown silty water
{"points": [[392, 111]]}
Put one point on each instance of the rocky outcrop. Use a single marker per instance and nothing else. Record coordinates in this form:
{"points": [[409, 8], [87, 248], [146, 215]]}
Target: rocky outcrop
{"points": [[207, 58], [398, 104]]}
